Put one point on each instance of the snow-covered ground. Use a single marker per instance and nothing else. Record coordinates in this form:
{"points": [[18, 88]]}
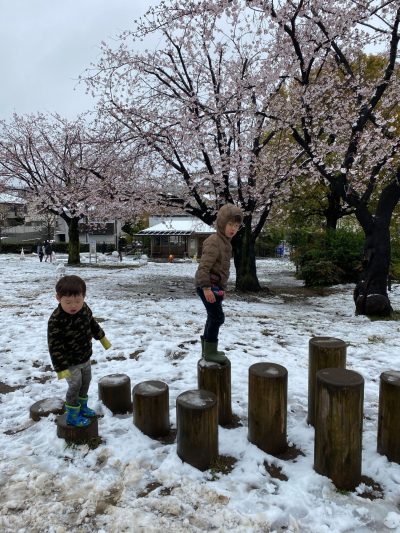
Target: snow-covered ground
{"points": [[132, 483]]}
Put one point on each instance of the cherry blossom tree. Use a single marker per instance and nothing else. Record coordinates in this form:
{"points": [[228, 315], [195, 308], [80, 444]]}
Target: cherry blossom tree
{"points": [[197, 114], [343, 119], [346, 120], [59, 165]]}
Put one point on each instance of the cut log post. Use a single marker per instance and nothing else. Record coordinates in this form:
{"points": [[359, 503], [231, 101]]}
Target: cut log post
{"points": [[217, 379], [115, 393], [268, 407], [151, 408], [45, 407], [75, 434], [197, 428], [389, 416], [323, 352], [338, 426]]}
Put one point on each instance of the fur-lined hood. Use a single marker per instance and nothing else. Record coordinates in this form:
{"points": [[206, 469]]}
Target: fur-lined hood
{"points": [[227, 213]]}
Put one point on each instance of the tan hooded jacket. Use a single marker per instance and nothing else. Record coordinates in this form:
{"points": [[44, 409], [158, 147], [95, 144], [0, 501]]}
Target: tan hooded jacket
{"points": [[217, 251]]}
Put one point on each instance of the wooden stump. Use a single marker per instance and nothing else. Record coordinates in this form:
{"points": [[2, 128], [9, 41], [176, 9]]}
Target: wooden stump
{"points": [[389, 416], [323, 352], [197, 428], [115, 393], [75, 434], [151, 408], [217, 379], [268, 407], [45, 407], [338, 426]]}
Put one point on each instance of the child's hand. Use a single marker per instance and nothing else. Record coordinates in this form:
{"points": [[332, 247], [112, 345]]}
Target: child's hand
{"points": [[105, 343], [64, 374], [209, 296]]}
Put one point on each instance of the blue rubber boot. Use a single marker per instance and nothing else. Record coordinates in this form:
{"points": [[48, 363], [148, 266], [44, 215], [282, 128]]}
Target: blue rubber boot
{"points": [[74, 417], [85, 410]]}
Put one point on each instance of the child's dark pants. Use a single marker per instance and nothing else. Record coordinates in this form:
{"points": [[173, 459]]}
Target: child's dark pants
{"points": [[78, 383], [215, 316]]}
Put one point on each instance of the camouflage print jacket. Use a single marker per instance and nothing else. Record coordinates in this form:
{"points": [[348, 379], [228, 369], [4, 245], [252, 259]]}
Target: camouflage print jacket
{"points": [[70, 337]]}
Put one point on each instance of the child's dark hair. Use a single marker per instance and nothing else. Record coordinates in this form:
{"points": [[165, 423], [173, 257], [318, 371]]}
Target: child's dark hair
{"points": [[70, 286], [237, 219]]}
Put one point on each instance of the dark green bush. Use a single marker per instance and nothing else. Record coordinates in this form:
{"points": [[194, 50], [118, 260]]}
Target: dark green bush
{"points": [[268, 241], [321, 274], [327, 258], [395, 270]]}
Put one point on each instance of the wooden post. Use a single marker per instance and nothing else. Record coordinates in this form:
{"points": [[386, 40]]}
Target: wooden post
{"points": [[323, 352], [115, 393], [79, 435], [338, 426], [217, 379], [389, 416], [268, 407], [45, 407], [197, 428], [151, 408]]}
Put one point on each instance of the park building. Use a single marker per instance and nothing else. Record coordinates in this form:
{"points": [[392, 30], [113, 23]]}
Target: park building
{"points": [[23, 223], [180, 236]]}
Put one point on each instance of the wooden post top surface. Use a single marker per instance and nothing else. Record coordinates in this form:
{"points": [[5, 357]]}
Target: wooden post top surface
{"points": [[150, 388], [392, 377], [202, 363], [268, 370], [197, 399], [114, 379], [340, 377], [327, 342]]}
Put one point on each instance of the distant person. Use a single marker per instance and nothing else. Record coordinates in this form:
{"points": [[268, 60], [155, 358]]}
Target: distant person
{"points": [[70, 330], [212, 277], [120, 248], [48, 250], [40, 251]]}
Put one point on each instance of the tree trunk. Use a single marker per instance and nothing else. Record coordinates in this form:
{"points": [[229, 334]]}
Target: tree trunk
{"points": [[333, 211], [370, 295], [245, 260], [73, 245]]}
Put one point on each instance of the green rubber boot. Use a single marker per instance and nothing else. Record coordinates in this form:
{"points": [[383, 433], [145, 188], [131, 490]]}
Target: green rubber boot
{"points": [[211, 353], [202, 347]]}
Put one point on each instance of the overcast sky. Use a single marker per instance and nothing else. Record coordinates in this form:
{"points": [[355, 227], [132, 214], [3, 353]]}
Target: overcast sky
{"points": [[46, 44]]}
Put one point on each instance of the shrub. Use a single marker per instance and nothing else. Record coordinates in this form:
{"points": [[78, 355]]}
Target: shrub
{"points": [[321, 274], [268, 240], [327, 258]]}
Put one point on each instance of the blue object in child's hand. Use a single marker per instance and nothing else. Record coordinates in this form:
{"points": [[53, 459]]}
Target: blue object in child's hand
{"points": [[217, 291]]}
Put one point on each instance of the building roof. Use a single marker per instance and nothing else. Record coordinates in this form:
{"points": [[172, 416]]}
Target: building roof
{"points": [[171, 226], [6, 198]]}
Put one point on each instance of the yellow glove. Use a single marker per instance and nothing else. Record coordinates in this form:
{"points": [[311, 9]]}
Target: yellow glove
{"points": [[64, 374], [105, 342]]}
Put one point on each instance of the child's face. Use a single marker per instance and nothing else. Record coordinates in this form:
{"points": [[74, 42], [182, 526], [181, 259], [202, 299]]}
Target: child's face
{"points": [[71, 304], [231, 229]]}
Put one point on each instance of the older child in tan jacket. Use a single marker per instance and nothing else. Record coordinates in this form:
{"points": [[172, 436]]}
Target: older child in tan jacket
{"points": [[212, 277]]}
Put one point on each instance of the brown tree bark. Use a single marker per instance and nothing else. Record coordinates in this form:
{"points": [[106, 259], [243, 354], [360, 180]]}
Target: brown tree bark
{"points": [[370, 295], [73, 244]]}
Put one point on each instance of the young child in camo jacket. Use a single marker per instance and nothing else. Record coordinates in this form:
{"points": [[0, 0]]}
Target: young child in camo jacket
{"points": [[70, 330], [212, 277]]}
